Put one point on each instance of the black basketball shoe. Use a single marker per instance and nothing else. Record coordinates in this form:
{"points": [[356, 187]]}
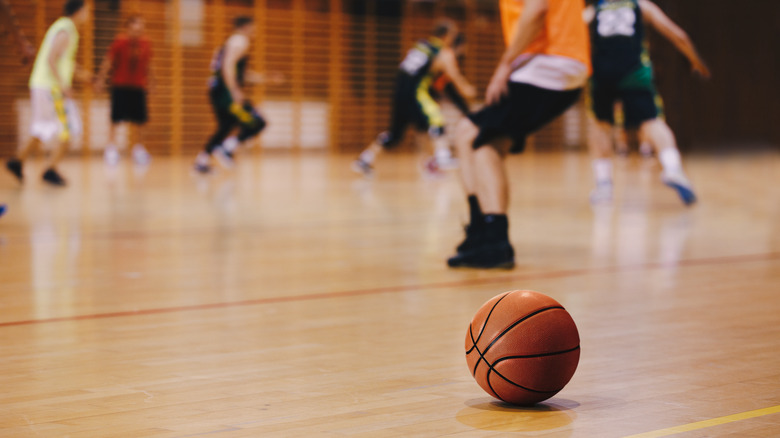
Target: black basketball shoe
{"points": [[52, 177], [473, 236], [499, 255], [15, 166]]}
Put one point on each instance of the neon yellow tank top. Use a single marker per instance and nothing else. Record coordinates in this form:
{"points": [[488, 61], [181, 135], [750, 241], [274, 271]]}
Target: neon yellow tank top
{"points": [[42, 76]]}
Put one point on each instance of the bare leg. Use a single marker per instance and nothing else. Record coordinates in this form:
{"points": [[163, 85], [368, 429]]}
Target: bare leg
{"points": [[600, 145], [32, 145], [57, 154], [658, 133], [466, 133], [492, 184]]}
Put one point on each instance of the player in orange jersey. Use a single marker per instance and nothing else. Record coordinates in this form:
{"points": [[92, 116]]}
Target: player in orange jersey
{"points": [[540, 75]]}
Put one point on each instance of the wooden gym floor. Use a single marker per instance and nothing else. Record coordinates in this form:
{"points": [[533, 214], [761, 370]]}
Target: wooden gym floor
{"points": [[290, 298]]}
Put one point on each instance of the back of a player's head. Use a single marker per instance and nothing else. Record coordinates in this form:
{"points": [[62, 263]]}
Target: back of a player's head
{"points": [[241, 21], [72, 7], [444, 27]]}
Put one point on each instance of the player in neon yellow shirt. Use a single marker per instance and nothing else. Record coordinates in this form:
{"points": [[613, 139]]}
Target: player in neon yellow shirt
{"points": [[52, 109]]}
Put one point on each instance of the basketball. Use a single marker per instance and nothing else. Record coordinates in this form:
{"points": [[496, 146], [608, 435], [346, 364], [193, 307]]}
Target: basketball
{"points": [[522, 347]]}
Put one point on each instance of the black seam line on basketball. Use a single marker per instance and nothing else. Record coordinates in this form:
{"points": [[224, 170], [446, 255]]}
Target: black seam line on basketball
{"points": [[492, 368], [482, 354], [482, 330], [531, 356], [515, 324]]}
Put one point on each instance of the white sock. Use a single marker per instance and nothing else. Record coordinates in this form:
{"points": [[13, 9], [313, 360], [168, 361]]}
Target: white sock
{"points": [[442, 148], [670, 161], [368, 156], [602, 170], [230, 144], [202, 159]]}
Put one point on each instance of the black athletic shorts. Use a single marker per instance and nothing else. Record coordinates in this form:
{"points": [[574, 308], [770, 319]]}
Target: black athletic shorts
{"points": [[635, 90], [412, 105], [523, 111], [128, 105]]}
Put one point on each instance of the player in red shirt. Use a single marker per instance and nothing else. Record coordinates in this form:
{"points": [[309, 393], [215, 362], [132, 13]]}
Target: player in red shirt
{"points": [[129, 61]]}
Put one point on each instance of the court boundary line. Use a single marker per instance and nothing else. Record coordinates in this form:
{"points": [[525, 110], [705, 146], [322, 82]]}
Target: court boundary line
{"points": [[708, 423], [564, 273]]}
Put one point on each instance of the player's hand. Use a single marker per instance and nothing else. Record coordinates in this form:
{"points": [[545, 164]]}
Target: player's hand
{"points": [[701, 69], [499, 84]]}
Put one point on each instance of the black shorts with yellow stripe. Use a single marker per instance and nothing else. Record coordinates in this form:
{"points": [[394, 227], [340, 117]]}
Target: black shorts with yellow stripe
{"points": [[412, 105]]}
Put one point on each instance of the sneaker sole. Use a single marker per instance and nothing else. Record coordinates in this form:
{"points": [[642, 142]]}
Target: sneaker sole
{"points": [[501, 266]]}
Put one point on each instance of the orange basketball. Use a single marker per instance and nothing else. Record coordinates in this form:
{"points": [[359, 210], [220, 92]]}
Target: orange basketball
{"points": [[522, 347]]}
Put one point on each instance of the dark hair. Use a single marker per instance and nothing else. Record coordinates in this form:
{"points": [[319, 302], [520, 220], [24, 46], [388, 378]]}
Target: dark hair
{"points": [[443, 28], [73, 6], [241, 21]]}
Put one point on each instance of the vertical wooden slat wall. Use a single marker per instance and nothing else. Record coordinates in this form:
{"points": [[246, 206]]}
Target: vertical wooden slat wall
{"points": [[340, 55]]}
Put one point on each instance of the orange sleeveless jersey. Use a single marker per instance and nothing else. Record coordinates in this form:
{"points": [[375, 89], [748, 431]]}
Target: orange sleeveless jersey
{"points": [[564, 32]]}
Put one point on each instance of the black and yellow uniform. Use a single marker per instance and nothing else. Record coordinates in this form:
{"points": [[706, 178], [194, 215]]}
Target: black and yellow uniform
{"points": [[412, 101], [621, 64], [231, 114]]}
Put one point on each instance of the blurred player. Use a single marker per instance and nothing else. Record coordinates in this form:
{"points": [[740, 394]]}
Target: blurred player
{"points": [[540, 75], [26, 49], [412, 101], [129, 61], [226, 90], [54, 114], [622, 71], [444, 90]]}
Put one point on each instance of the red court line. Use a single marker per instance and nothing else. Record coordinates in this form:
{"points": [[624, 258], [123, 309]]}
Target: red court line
{"points": [[405, 288]]}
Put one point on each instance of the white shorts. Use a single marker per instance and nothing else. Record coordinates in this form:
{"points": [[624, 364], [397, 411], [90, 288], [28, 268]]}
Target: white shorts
{"points": [[53, 116]]}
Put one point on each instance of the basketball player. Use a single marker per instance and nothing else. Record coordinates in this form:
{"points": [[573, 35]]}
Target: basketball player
{"points": [[412, 101], [129, 60], [25, 48], [54, 114], [622, 71], [540, 75], [226, 91]]}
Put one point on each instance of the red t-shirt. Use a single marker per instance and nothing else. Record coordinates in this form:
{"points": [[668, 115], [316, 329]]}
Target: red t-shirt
{"points": [[130, 61]]}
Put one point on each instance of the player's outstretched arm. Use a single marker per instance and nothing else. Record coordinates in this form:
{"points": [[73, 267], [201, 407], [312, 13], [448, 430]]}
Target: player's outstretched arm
{"points": [[449, 65], [526, 29], [674, 33]]}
